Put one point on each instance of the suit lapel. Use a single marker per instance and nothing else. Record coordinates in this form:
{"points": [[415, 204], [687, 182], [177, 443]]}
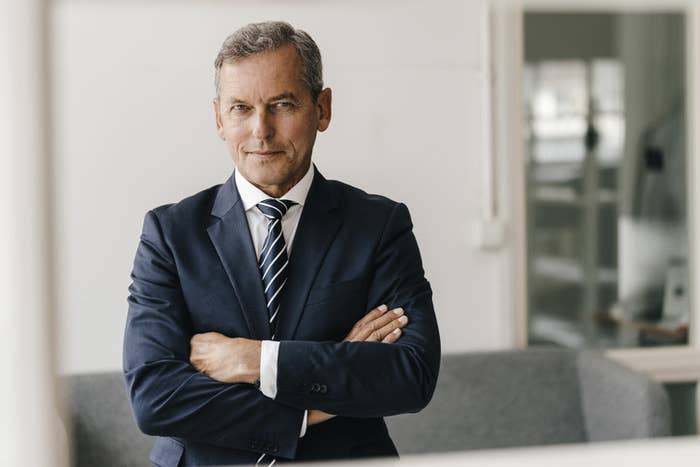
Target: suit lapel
{"points": [[320, 221], [231, 239]]}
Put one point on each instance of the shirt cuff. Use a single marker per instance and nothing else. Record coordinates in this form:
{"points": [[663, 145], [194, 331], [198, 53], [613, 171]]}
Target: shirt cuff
{"points": [[303, 424], [268, 368]]}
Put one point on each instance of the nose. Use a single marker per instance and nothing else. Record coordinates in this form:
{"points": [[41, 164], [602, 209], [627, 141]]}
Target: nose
{"points": [[263, 127]]}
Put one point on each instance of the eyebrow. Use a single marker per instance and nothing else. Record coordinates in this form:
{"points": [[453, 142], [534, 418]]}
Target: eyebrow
{"points": [[284, 95]]}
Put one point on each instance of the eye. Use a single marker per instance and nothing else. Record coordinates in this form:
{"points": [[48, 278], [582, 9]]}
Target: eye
{"points": [[239, 108], [284, 105]]}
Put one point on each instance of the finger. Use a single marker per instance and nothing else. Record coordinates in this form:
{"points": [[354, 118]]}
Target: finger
{"points": [[195, 354], [372, 315], [392, 337], [370, 331], [199, 345], [201, 338], [195, 361], [379, 334], [373, 327]]}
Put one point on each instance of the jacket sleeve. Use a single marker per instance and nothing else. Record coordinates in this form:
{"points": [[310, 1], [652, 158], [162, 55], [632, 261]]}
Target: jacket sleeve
{"points": [[371, 379], [169, 397]]}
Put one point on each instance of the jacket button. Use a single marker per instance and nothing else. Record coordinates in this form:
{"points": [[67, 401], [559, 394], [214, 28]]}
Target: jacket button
{"points": [[324, 389], [275, 448]]}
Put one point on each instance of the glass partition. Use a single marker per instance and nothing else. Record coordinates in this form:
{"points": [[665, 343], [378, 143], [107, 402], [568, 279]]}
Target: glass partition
{"points": [[606, 179]]}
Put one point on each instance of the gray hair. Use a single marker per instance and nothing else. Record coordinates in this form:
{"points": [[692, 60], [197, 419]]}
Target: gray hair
{"points": [[261, 37]]}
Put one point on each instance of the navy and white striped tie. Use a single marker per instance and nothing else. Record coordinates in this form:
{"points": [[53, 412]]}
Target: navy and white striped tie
{"points": [[273, 265], [273, 257]]}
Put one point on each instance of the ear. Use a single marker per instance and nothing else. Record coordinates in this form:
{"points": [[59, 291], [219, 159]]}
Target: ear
{"points": [[217, 115], [324, 109]]}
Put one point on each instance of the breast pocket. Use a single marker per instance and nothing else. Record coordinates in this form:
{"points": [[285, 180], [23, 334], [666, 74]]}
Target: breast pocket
{"points": [[331, 310]]}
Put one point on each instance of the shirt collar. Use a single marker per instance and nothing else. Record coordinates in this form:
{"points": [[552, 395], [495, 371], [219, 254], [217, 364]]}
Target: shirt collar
{"points": [[252, 195]]}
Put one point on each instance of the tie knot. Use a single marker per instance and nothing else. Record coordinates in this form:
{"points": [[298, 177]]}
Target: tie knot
{"points": [[275, 208]]}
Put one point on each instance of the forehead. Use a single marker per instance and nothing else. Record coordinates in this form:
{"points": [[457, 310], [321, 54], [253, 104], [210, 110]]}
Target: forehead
{"points": [[264, 74]]}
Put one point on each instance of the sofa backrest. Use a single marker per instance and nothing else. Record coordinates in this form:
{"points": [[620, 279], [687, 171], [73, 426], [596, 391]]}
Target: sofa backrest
{"points": [[530, 397], [101, 425]]}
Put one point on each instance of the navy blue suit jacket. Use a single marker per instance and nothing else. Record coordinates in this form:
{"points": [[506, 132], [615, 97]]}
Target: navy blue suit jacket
{"points": [[195, 271]]}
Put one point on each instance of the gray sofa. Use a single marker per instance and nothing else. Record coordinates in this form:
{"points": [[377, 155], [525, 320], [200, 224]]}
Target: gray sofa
{"points": [[482, 400], [533, 397]]}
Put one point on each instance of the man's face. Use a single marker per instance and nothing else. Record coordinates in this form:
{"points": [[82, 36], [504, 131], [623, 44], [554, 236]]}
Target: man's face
{"points": [[267, 118]]}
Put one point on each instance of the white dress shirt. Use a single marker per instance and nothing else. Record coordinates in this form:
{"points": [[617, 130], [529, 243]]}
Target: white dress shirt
{"points": [[257, 223]]}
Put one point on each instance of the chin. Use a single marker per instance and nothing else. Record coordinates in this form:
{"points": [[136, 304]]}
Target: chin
{"points": [[263, 177]]}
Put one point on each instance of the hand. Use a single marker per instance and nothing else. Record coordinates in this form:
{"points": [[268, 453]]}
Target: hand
{"points": [[375, 326], [379, 326], [225, 359], [315, 417]]}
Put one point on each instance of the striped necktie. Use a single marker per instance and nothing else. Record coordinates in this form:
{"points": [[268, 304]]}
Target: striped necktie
{"points": [[273, 257]]}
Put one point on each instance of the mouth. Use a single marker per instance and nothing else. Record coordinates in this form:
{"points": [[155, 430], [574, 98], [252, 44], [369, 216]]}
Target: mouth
{"points": [[265, 153]]}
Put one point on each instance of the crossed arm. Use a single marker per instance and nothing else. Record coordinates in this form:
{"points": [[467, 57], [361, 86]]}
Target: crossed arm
{"points": [[237, 360]]}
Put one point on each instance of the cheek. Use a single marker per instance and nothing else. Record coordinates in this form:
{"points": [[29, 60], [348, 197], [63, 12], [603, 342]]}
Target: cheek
{"points": [[235, 135], [302, 136]]}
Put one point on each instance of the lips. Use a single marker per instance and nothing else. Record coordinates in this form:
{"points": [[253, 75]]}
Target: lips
{"points": [[265, 153]]}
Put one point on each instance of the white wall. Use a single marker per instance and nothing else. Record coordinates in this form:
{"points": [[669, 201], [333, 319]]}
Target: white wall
{"points": [[133, 129], [29, 424]]}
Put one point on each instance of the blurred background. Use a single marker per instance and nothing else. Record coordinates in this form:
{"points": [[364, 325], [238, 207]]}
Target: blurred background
{"points": [[560, 130], [606, 131]]}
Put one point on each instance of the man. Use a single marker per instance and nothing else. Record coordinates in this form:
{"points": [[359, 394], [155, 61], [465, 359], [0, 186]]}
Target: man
{"points": [[247, 339]]}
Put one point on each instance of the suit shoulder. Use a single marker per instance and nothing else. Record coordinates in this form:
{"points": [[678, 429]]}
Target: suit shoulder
{"points": [[356, 197], [196, 206]]}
